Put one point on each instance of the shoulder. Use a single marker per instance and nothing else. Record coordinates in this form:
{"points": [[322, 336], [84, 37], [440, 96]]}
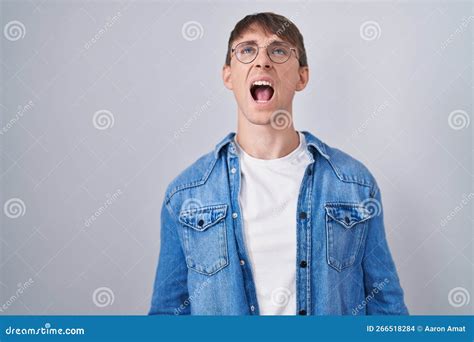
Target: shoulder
{"points": [[350, 169], [199, 171], [193, 175], [346, 167]]}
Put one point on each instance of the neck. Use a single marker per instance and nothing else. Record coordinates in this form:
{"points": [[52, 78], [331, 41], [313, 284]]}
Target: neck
{"points": [[264, 141]]}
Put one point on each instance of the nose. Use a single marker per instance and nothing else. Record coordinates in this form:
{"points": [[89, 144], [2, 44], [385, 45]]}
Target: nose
{"points": [[262, 60]]}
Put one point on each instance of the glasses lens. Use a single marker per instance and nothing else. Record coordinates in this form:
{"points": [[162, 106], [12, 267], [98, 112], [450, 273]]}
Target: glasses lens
{"points": [[246, 52], [279, 52]]}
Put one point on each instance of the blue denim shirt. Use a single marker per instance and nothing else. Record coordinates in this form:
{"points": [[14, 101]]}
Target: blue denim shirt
{"points": [[203, 266]]}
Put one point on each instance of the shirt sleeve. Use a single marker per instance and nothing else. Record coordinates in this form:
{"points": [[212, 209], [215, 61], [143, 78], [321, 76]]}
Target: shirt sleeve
{"points": [[384, 295], [170, 291]]}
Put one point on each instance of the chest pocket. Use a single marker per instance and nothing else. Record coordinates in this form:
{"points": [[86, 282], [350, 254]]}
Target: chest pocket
{"points": [[346, 225], [204, 235]]}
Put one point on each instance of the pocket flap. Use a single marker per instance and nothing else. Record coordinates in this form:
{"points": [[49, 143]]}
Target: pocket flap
{"points": [[203, 217], [347, 214]]}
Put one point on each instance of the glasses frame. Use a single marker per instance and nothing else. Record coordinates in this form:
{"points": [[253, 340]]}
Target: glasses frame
{"points": [[233, 53]]}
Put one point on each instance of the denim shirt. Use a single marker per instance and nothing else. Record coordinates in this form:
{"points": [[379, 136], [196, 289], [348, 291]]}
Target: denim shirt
{"points": [[344, 265]]}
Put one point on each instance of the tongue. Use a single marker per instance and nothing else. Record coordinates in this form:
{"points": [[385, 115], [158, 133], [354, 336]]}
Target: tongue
{"points": [[263, 93]]}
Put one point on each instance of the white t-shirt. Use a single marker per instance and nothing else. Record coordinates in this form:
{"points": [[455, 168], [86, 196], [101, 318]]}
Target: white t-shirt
{"points": [[268, 199]]}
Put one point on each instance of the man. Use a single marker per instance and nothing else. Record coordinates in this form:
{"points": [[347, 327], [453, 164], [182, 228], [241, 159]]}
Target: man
{"points": [[273, 221]]}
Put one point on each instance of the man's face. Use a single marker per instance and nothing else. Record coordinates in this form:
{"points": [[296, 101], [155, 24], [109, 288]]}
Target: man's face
{"points": [[256, 102]]}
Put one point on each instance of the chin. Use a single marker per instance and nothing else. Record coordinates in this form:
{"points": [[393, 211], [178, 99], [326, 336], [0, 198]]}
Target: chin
{"points": [[257, 116]]}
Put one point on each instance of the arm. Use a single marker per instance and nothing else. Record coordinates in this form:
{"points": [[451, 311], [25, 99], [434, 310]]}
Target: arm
{"points": [[382, 286], [170, 290]]}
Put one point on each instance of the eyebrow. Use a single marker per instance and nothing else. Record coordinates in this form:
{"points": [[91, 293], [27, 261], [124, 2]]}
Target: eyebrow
{"points": [[255, 42]]}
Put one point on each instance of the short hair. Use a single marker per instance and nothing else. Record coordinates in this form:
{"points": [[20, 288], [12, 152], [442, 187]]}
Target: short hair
{"points": [[271, 23]]}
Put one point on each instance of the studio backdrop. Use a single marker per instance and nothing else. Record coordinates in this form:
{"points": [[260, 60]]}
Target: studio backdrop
{"points": [[103, 103]]}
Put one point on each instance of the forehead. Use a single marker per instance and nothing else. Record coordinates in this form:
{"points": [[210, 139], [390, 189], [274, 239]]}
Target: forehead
{"points": [[259, 35]]}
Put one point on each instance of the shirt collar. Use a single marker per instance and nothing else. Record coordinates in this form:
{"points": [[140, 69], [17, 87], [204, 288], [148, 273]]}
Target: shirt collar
{"points": [[311, 140]]}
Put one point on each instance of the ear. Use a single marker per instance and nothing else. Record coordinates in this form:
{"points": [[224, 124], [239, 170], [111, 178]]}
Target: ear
{"points": [[304, 78], [226, 76]]}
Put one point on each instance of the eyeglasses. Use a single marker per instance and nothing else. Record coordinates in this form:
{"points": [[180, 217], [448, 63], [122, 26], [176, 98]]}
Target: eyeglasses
{"points": [[278, 52]]}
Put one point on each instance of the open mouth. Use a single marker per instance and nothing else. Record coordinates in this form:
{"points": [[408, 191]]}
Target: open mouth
{"points": [[262, 91]]}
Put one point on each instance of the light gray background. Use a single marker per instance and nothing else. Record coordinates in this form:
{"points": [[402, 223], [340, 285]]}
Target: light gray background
{"points": [[386, 101]]}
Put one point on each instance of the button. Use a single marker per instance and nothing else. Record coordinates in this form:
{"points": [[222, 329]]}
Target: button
{"points": [[201, 223], [303, 263], [302, 312], [234, 215], [233, 170], [303, 215], [347, 219], [242, 262], [252, 308]]}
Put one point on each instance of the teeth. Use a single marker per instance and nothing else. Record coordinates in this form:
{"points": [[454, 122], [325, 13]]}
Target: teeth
{"points": [[262, 83]]}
